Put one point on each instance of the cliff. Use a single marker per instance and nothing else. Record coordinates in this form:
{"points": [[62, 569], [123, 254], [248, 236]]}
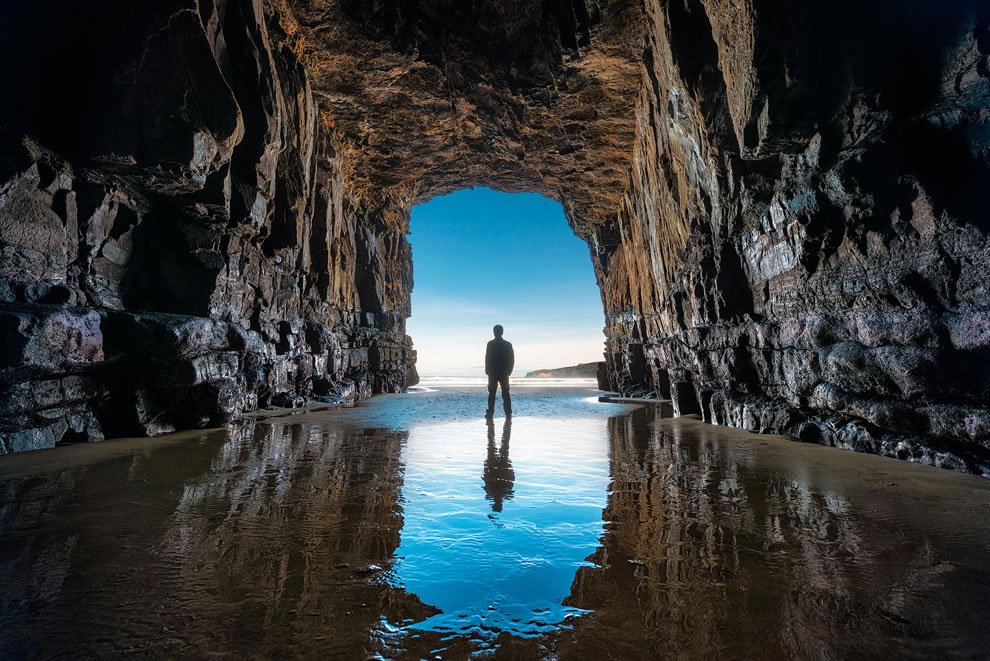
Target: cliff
{"points": [[178, 242], [579, 371], [803, 244], [203, 204]]}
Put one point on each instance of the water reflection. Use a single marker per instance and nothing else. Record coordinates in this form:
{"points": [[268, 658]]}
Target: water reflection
{"points": [[492, 570], [265, 542], [287, 534], [333, 536], [499, 475], [714, 549]]}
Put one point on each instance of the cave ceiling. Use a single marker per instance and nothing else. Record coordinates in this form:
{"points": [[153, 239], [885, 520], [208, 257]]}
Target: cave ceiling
{"points": [[430, 97]]}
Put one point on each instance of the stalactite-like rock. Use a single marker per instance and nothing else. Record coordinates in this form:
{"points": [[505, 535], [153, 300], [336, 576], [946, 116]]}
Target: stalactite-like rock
{"points": [[178, 243], [785, 203], [803, 247]]}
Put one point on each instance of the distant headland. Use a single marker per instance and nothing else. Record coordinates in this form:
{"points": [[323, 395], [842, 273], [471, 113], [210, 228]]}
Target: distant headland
{"points": [[582, 371]]}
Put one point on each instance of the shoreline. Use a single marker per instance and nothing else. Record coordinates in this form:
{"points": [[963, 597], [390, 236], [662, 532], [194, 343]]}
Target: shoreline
{"points": [[407, 525], [22, 464]]}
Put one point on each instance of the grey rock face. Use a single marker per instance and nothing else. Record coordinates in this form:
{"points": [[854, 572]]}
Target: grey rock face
{"points": [[190, 251], [785, 203], [803, 247]]}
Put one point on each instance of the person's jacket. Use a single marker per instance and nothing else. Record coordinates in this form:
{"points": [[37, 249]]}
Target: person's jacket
{"points": [[499, 358]]}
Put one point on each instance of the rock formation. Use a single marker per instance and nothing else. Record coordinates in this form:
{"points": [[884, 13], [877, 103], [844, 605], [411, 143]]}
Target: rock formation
{"points": [[579, 371], [178, 243], [203, 203], [803, 245]]}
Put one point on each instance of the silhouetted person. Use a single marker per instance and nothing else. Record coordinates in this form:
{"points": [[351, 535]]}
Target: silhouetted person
{"points": [[499, 360], [499, 476]]}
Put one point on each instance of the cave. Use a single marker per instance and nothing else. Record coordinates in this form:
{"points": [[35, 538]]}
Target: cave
{"points": [[204, 204], [205, 255]]}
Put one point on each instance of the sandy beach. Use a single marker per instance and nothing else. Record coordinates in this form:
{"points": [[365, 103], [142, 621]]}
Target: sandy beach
{"points": [[409, 527]]}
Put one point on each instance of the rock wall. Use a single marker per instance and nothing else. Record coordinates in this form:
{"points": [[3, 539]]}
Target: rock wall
{"points": [[205, 202], [803, 244], [177, 242]]}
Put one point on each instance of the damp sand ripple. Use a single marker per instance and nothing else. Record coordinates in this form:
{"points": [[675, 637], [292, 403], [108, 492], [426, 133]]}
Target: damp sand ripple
{"points": [[409, 527]]}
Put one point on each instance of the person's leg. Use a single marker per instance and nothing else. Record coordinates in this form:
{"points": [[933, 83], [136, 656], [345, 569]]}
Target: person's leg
{"points": [[506, 399], [492, 385]]}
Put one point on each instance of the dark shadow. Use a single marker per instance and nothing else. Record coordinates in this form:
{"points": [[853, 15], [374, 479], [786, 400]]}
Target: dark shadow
{"points": [[168, 270], [499, 476]]}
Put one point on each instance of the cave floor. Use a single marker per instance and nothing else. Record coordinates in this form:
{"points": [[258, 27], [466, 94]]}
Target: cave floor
{"points": [[408, 527]]}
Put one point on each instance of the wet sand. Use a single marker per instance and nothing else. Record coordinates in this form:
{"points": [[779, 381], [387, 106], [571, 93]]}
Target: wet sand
{"points": [[408, 527]]}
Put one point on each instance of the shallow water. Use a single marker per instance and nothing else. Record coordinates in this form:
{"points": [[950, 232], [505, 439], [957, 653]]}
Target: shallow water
{"points": [[410, 528]]}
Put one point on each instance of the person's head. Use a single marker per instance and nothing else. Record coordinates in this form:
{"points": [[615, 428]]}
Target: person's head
{"points": [[497, 330]]}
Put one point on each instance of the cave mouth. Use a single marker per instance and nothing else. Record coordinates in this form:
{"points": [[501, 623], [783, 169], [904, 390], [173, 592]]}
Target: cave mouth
{"points": [[483, 257]]}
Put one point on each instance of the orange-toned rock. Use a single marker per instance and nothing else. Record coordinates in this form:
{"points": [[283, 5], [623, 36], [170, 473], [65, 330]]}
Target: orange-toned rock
{"points": [[785, 203]]}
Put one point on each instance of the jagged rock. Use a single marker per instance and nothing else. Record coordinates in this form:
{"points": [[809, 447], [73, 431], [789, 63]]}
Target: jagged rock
{"points": [[785, 203], [579, 371], [180, 247], [803, 246]]}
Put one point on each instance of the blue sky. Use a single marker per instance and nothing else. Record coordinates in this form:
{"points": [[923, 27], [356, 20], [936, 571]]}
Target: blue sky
{"points": [[481, 258]]}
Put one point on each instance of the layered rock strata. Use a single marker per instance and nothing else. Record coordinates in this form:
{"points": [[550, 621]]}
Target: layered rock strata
{"points": [[785, 203], [803, 245], [178, 243]]}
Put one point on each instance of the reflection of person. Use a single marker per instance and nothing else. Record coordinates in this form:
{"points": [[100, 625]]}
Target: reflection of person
{"points": [[499, 475], [499, 360]]}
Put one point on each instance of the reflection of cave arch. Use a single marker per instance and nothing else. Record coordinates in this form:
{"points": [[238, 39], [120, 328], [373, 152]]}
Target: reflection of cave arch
{"points": [[754, 169], [714, 552]]}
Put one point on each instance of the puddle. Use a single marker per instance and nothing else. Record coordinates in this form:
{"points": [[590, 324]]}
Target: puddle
{"points": [[409, 527]]}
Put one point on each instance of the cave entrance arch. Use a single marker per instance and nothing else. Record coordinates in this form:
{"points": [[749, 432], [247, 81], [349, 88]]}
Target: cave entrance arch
{"points": [[481, 257]]}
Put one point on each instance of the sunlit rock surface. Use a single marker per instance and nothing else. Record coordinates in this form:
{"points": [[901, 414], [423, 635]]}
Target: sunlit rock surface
{"points": [[785, 203], [178, 244], [803, 247]]}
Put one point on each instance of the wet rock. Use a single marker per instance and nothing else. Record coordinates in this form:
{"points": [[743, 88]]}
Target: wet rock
{"points": [[369, 570], [190, 251], [684, 398], [785, 205], [795, 231]]}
